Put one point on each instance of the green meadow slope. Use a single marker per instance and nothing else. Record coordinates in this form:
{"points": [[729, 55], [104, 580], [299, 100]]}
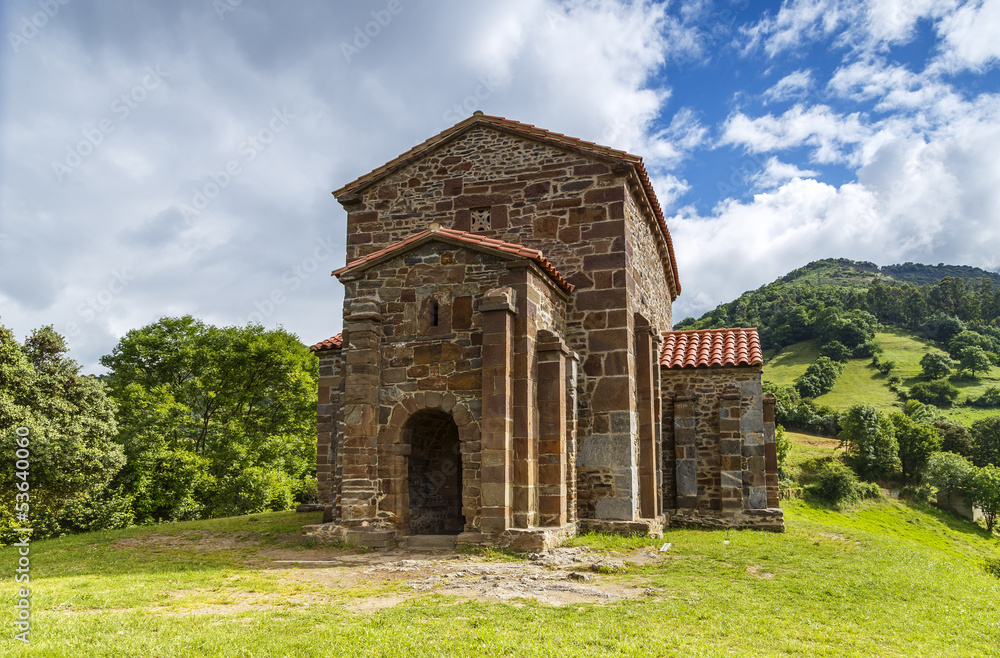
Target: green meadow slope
{"points": [[861, 382], [886, 579]]}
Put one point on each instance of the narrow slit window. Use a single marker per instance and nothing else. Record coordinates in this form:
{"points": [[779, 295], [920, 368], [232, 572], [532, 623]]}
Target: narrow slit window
{"points": [[480, 219], [435, 311]]}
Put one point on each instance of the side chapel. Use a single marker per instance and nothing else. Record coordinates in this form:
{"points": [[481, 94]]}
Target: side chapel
{"points": [[507, 372]]}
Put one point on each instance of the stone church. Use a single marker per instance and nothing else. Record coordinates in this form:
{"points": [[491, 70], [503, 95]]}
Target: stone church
{"points": [[507, 371]]}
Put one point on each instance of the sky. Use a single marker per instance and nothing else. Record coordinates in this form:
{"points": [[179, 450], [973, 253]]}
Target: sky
{"points": [[178, 157]]}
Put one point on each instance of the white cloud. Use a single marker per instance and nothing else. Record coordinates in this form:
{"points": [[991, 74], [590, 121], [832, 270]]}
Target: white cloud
{"points": [[792, 85], [775, 173], [832, 137], [972, 36]]}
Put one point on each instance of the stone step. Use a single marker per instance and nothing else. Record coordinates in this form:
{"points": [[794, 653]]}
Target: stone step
{"points": [[430, 541]]}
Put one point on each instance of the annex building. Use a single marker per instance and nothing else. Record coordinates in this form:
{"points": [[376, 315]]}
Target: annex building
{"points": [[507, 371]]}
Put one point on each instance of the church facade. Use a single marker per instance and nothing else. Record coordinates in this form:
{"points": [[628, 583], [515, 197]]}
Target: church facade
{"points": [[507, 371]]}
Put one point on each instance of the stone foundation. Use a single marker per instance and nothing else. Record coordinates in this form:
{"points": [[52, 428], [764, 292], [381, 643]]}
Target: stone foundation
{"points": [[646, 527]]}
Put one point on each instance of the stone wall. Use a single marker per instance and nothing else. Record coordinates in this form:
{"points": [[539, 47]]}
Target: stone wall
{"points": [[329, 420], [428, 301], [719, 458]]}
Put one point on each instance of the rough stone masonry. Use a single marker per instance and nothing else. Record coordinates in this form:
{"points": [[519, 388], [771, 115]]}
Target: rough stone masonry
{"points": [[507, 372]]}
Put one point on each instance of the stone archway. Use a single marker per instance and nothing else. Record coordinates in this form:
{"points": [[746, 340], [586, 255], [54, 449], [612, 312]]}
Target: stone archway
{"points": [[434, 474], [395, 449]]}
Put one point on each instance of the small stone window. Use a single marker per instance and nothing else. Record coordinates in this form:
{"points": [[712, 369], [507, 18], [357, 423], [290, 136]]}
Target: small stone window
{"points": [[479, 218], [435, 313]]}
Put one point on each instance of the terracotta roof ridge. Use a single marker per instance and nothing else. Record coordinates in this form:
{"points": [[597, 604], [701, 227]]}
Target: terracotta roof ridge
{"points": [[469, 239], [335, 342]]}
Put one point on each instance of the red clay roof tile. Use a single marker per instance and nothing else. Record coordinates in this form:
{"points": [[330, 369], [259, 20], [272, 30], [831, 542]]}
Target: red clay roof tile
{"points": [[537, 133], [705, 348], [498, 247], [331, 343]]}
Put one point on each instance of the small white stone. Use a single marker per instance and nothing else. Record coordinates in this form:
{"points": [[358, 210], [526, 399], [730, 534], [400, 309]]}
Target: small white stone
{"points": [[665, 547]]}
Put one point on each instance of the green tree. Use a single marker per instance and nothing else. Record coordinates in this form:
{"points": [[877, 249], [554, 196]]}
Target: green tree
{"points": [[936, 365], [870, 441], [819, 377], [71, 424], [948, 472], [983, 491], [973, 359], [916, 443], [939, 393], [215, 421], [956, 437], [967, 338], [986, 441]]}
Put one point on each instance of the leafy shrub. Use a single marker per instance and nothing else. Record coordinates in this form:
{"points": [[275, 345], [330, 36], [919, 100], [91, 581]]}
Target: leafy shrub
{"points": [[870, 440], [956, 437], [867, 348], [885, 367], [923, 494], [836, 485], [836, 351], [935, 365], [992, 566], [990, 399], [819, 377], [940, 393], [916, 443], [986, 441], [783, 446], [948, 472], [869, 491]]}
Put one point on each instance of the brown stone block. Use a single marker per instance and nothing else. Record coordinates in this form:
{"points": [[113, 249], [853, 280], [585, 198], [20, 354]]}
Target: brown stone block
{"points": [[461, 313], [608, 229], [591, 170], [452, 187], [545, 227], [433, 383], [603, 279], [359, 238], [586, 215], [480, 200], [465, 381], [616, 363], [538, 189], [612, 261], [612, 394], [569, 234], [607, 340], [604, 195], [596, 300]]}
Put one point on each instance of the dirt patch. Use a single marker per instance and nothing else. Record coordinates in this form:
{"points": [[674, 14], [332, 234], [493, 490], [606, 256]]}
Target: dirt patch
{"points": [[189, 540], [558, 577], [815, 441], [756, 572]]}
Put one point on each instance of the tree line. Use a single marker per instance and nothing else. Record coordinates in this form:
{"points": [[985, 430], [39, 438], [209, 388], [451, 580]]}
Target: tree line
{"points": [[192, 421]]}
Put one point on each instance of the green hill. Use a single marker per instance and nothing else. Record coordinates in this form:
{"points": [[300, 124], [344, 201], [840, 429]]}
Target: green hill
{"points": [[848, 273], [886, 579], [862, 383]]}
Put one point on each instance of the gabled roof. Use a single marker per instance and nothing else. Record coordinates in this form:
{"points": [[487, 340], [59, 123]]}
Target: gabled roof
{"points": [[506, 250], [705, 348], [528, 131], [331, 343]]}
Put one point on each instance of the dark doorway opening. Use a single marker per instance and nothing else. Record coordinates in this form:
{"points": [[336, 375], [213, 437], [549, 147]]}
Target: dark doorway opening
{"points": [[434, 474]]}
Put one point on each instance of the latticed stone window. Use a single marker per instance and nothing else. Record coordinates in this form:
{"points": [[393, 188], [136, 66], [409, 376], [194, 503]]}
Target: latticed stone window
{"points": [[480, 219]]}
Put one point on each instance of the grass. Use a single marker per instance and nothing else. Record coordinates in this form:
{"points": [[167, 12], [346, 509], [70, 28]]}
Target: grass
{"points": [[860, 382], [887, 580]]}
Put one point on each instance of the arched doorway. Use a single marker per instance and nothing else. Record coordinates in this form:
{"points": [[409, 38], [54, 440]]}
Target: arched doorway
{"points": [[434, 474]]}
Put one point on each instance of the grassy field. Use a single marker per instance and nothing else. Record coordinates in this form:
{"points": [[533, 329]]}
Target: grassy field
{"points": [[882, 580], [861, 382]]}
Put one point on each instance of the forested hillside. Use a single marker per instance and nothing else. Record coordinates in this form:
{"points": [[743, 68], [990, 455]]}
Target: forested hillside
{"points": [[793, 308]]}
